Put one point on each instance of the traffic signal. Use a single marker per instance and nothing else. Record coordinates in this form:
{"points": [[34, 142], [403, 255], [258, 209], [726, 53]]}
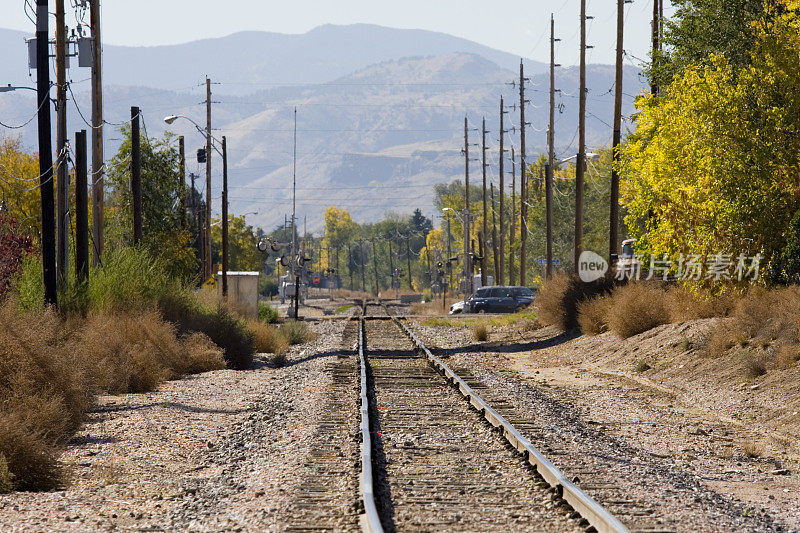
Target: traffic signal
{"points": [[201, 155]]}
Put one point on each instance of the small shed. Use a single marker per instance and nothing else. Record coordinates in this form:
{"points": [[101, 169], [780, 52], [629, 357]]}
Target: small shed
{"points": [[242, 292]]}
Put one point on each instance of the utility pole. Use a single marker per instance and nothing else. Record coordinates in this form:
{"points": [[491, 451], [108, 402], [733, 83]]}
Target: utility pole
{"points": [[62, 179], [495, 252], [613, 235], [97, 133], [484, 230], [500, 259], [449, 254], [513, 229], [523, 185], [548, 175], [375, 267], [581, 160], [656, 25], [350, 266], [81, 210], [182, 182], [45, 154], [225, 258], [363, 267], [136, 176], [408, 260], [391, 267], [207, 271], [465, 220]]}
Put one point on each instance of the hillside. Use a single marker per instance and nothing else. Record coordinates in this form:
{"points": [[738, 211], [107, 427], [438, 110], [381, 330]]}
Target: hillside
{"points": [[319, 55], [374, 139]]}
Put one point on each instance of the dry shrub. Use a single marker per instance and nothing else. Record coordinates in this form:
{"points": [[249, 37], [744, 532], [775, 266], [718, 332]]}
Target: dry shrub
{"points": [[295, 332], [480, 332], [685, 305], [5, 476], [201, 354], [593, 315], [761, 317], [267, 339], [787, 356], [635, 308], [559, 297], [222, 327], [549, 300], [755, 367], [45, 390], [753, 449], [130, 352]]}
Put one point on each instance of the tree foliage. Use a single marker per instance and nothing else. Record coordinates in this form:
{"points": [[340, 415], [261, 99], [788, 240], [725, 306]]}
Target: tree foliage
{"points": [[700, 29], [713, 164]]}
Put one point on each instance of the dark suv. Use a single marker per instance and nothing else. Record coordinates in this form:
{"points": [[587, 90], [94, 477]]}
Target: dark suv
{"points": [[500, 299]]}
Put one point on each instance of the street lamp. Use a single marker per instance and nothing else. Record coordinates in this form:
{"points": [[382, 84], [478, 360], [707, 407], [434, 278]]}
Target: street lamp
{"points": [[9, 88], [169, 120]]}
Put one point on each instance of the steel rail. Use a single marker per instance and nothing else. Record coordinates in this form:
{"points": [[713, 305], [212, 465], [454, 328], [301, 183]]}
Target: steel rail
{"points": [[370, 521], [594, 513]]}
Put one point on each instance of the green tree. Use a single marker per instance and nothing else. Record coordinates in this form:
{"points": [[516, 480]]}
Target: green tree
{"points": [[700, 29], [243, 251], [713, 164], [161, 189]]}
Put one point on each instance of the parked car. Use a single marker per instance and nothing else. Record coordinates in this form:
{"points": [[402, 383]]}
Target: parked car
{"points": [[457, 308], [508, 299]]}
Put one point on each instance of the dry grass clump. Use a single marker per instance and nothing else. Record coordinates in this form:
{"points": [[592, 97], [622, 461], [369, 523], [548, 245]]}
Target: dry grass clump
{"points": [[755, 367], [549, 301], [52, 369], [267, 339], [5, 476], [480, 332], [787, 356], [762, 317], [221, 326], [637, 307], [201, 354], [559, 297], [44, 392], [593, 315], [686, 305], [135, 352], [753, 449], [295, 332]]}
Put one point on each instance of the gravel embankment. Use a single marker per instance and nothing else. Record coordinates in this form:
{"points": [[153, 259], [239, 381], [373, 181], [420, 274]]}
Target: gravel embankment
{"points": [[649, 490], [224, 450]]}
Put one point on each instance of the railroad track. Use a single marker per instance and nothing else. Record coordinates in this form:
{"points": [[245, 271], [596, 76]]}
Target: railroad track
{"points": [[430, 461]]}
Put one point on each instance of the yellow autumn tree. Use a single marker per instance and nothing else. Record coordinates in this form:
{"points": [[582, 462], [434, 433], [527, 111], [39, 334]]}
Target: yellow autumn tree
{"points": [[714, 165]]}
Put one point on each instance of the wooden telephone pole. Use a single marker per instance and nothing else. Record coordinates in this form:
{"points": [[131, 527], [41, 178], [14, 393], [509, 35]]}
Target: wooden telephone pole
{"points": [[136, 176], [495, 252], [62, 176], [656, 27], [580, 162], [548, 176], [500, 255], [613, 235], [97, 133], [45, 153], [523, 180], [513, 228], [207, 256], [182, 181], [465, 219], [484, 230]]}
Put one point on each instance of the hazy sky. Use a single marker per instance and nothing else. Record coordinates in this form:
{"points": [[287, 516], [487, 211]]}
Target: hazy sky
{"points": [[516, 26]]}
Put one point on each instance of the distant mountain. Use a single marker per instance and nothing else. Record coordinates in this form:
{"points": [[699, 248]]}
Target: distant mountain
{"points": [[320, 55], [374, 139]]}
